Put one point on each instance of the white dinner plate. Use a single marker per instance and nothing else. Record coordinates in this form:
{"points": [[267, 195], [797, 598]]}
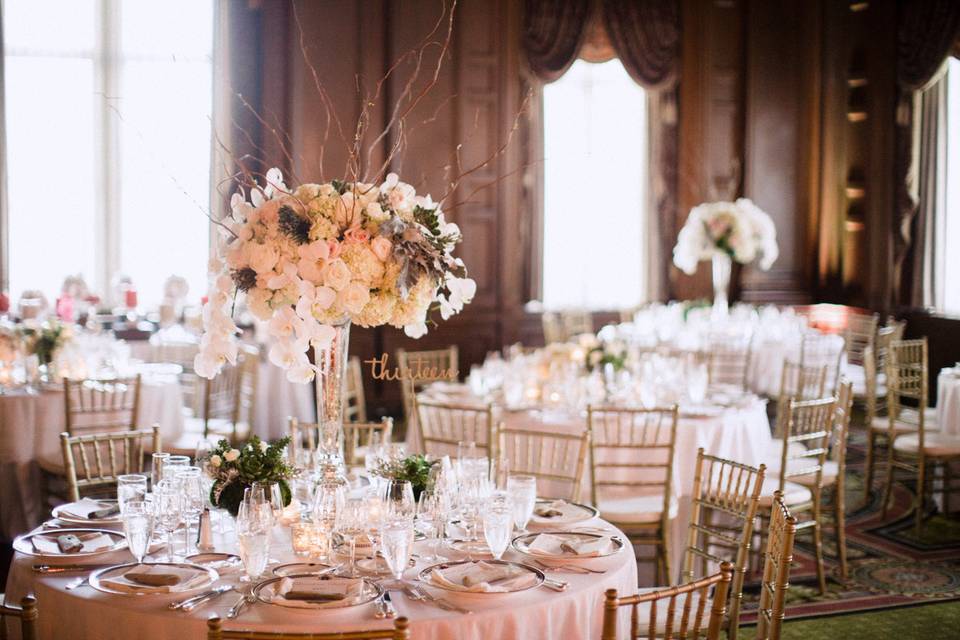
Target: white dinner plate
{"points": [[578, 513], [265, 591], [59, 514], [522, 544], [424, 577]]}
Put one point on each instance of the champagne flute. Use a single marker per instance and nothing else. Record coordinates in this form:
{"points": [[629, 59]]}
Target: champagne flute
{"points": [[397, 543], [522, 491], [138, 527], [497, 526]]}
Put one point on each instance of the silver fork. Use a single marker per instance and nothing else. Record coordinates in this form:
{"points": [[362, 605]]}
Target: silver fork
{"points": [[571, 568], [77, 582], [420, 595]]}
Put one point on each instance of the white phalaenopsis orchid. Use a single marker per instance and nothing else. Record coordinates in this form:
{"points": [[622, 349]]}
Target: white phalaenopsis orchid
{"points": [[738, 229], [324, 254]]}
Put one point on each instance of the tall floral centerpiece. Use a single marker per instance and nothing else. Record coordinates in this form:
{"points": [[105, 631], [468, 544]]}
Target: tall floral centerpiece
{"points": [[312, 260], [722, 232]]}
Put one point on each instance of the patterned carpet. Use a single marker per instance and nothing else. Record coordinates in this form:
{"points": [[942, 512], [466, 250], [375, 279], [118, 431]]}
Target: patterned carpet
{"points": [[889, 566]]}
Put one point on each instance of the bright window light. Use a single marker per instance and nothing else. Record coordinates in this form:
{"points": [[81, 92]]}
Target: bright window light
{"points": [[595, 186], [108, 108]]}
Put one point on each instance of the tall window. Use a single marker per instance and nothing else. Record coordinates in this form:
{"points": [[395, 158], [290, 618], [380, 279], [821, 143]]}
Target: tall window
{"points": [[108, 124], [595, 182], [949, 223]]}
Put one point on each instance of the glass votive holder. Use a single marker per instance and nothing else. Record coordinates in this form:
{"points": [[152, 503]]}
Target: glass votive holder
{"points": [[308, 540]]}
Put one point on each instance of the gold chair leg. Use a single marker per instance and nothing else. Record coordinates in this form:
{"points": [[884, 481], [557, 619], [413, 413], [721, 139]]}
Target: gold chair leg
{"points": [[921, 492], [888, 483], [840, 522], [868, 477], [818, 546], [665, 550]]}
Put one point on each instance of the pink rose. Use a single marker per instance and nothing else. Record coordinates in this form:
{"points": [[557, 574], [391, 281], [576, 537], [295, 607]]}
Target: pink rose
{"points": [[381, 247], [334, 247], [356, 234]]}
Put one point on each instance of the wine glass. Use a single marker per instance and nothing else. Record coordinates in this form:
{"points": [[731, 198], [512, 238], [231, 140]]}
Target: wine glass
{"points": [[351, 524], [396, 545], [522, 492], [172, 465], [131, 487], [157, 460], [431, 518], [138, 527], [192, 496], [497, 526], [397, 498], [271, 495], [167, 509]]}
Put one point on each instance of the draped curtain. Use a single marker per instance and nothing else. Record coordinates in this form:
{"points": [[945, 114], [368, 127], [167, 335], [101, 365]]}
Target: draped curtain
{"points": [[927, 31], [645, 36]]}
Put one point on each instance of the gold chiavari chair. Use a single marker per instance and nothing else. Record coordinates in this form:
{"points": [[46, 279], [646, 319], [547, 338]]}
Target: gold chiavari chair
{"points": [[27, 613], [724, 504], [695, 597], [553, 458], [552, 328], [104, 405], [420, 368], [443, 424], [631, 475], [354, 400], [228, 405], [835, 469], [860, 333], [808, 434], [822, 350], [183, 354], [921, 451], [92, 462], [728, 363], [776, 570], [399, 631], [876, 417], [798, 382]]}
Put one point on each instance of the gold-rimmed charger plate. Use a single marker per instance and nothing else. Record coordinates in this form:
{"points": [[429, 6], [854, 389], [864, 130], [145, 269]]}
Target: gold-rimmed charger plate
{"points": [[265, 591], [59, 513], [579, 513], [24, 543], [424, 577], [97, 579], [522, 544], [302, 569]]}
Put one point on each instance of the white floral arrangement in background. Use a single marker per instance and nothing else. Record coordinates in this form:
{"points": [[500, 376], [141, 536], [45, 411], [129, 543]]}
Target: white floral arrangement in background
{"points": [[321, 254], [738, 229]]}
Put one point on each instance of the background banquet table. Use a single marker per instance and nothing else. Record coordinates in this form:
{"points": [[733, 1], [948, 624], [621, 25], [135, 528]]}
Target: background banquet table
{"points": [[948, 401], [539, 613], [740, 433], [277, 400], [30, 427]]}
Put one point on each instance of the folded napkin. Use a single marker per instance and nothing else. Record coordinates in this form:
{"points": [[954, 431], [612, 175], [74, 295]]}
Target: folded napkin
{"points": [[156, 579], [66, 543], [556, 512], [547, 544], [90, 509], [308, 592], [482, 577]]}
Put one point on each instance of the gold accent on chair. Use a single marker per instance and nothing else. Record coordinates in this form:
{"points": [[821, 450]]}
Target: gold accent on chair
{"points": [[113, 454], [798, 382], [808, 434], [835, 469], [730, 490], [27, 612], [183, 354], [550, 457], [437, 361], [691, 620], [875, 397], [776, 570], [729, 363], [821, 350], [860, 333], [399, 631], [925, 449], [642, 443], [104, 405], [354, 400], [443, 424]]}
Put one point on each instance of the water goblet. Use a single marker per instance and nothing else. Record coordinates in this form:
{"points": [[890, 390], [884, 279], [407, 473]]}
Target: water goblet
{"points": [[138, 524], [497, 526], [396, 545], [522, 491], [253, 540]]}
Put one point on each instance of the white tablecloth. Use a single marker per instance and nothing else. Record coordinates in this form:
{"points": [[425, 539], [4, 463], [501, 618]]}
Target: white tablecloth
{"points": [[740, 434], [948, 401], [540, 613], [30, 427], [277, 400]]}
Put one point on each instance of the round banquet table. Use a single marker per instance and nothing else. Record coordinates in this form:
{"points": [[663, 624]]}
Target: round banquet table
{"points": [[30, 427], [538, 613], [948, 401], [740, 433]]}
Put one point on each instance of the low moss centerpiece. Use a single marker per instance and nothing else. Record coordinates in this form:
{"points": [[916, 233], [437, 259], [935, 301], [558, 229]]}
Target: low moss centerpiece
{"points": [[415, 469], [233, 470]]}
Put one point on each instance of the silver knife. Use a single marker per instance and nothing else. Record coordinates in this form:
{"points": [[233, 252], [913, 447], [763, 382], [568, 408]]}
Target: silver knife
{"points": [[186, 603], [66, 568], [211, 596], [388, 608], [235, 609]]}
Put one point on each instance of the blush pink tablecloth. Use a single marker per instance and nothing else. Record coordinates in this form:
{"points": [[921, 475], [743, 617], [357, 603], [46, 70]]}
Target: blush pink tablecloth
{"points": [[948, 401], [85, 613], [30, 427]]}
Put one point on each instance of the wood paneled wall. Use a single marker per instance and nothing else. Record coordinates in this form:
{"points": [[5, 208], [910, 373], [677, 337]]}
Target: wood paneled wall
{"points": [[764, 96]]}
